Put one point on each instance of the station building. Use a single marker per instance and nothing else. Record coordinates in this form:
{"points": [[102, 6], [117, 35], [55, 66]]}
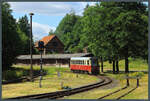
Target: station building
{"points": [[52, 44], [58, 60]]}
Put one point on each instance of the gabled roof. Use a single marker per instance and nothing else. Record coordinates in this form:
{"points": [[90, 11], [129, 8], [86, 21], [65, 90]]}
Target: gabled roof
{"points": [[47, 39]]}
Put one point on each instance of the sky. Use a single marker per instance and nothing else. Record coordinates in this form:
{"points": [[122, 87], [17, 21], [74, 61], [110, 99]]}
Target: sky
{"points": [[47, 15]]}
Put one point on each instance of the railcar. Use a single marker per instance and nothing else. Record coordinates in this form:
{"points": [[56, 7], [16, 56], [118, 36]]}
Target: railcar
{"points": [[84, 64]]}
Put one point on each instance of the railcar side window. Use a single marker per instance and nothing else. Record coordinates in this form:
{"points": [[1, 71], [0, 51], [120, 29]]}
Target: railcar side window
{"points": [[72, 62], [87, 62], [83, 62]]}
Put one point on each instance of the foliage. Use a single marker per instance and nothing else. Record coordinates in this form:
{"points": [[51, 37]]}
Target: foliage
{"points": [[66, 25], [25, 42], [24, 25], [119, 34], [137, 74], [24, 28], [11, 42], [51, 32], [65, 29], [15, 38]]}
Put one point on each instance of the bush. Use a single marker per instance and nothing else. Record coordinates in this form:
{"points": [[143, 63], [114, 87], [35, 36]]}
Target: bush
{"points": [[137, 74], [14, 73], [9, 75]]}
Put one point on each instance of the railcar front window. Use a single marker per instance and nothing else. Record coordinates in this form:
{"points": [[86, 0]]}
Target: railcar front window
{"points": [[94, 62]]}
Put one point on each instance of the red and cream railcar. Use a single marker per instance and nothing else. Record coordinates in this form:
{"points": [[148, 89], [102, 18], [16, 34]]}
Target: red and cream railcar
{"points": [[84, 64]]}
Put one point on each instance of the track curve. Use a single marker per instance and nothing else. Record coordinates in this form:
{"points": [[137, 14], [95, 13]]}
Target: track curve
{"points": [[58, 94]]}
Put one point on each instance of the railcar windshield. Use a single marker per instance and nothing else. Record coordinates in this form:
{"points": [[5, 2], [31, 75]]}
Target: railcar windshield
{"points": [[94, 62]]}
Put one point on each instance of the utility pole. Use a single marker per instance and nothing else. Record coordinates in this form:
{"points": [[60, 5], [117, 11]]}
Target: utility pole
{"points": [[31, 68]]}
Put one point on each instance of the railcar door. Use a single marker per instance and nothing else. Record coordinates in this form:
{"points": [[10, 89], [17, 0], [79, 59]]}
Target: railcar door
{"points": [[95, 66]]}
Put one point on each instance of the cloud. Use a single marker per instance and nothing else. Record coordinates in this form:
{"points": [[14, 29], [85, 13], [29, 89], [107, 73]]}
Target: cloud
{"points": [[44, 8], [49, 8], [40, 30]]}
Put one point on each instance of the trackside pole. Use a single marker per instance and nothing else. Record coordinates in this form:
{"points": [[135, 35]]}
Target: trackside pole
{"points": [[127, 80], [41, 48], [40, 85], [138, 81], [58, 71]]}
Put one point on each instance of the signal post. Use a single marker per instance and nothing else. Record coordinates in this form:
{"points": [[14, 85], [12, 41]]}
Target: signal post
{"points": [[41, 49]]}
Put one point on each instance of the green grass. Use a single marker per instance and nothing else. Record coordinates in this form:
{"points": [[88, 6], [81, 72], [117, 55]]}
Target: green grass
{"points": [[134, 64], [140, 93], [18, 71], [50, 83]]}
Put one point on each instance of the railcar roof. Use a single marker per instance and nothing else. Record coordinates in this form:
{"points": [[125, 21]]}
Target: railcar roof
{"points": [[81, 58]]}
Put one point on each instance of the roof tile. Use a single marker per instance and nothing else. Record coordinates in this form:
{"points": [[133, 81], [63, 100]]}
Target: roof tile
{"points": [[45, 39]]}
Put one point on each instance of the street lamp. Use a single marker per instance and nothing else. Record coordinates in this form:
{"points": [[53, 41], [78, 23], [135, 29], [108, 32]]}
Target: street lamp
{"points": [[31, 69]]}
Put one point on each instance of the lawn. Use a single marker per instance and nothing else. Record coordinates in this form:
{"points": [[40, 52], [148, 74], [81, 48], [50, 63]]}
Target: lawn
{"points": [[134, 65], [140, 93], [50, 83]]}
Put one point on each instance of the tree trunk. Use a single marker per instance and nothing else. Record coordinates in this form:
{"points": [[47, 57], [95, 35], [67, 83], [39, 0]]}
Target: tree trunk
{"points": [[101, 64], [117, 66], [113, 66], [126, 62]]}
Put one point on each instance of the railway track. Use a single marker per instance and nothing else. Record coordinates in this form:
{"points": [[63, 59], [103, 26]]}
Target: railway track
{"points": [[119, 90], [126, 93], [55, 95]]}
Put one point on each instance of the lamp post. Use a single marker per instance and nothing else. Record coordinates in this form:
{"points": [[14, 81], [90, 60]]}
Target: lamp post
{"points": [[31, 69]]}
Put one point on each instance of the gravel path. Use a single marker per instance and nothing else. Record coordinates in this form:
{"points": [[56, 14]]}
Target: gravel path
{"points": [[112, 85]]}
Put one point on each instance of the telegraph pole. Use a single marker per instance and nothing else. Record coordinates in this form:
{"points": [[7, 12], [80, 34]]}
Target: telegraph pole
{"points": [[31, 68]]}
